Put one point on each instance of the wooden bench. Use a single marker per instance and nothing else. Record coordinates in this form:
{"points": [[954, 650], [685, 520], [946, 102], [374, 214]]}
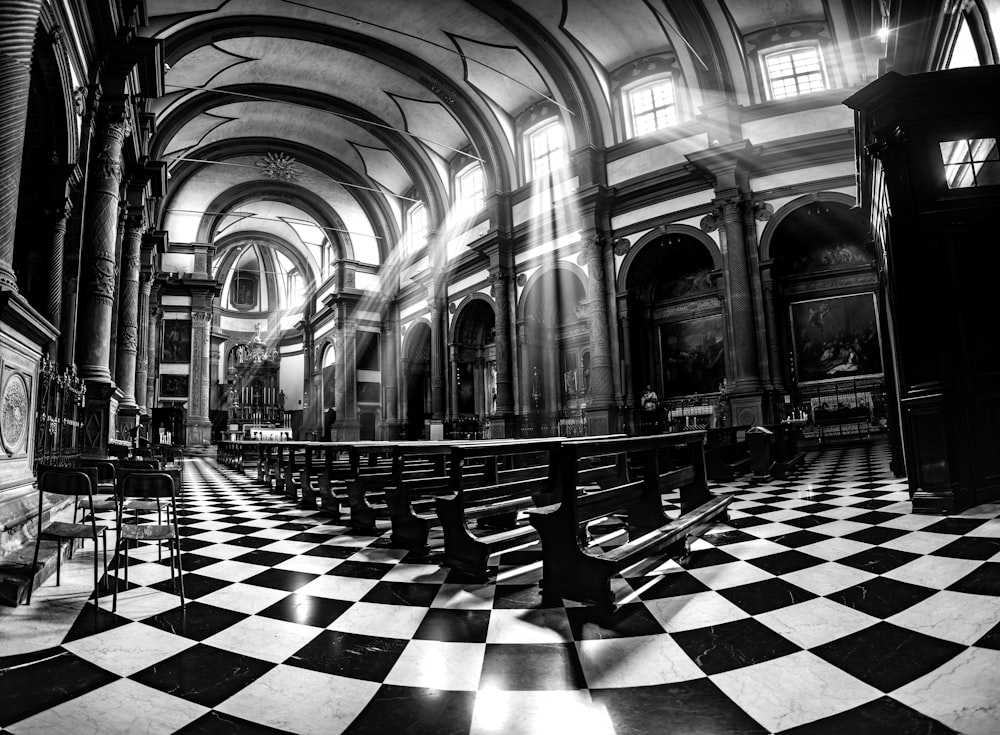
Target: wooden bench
{"points": [[494, 507], [571, 568], [412, 502], [726, 453], [774, 450]]}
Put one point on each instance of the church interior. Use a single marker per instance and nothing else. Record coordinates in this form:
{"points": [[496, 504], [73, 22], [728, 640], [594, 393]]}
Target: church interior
{"points": [[499, 367]]}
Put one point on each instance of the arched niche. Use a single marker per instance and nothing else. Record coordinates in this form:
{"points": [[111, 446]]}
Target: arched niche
{"points": [[473, 358], [821, 270], [416, 366], [555, 358], [672, 317]]}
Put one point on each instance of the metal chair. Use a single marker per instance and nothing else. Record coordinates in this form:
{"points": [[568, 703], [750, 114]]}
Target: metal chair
{"points": [[78, 484], [135, 489]]}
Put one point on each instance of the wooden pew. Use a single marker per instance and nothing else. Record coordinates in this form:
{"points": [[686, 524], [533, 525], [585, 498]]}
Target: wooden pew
{"points": [[786, 453], [726, 453], [411, 502], [410, 461], [493, 506], [775, 451], [571, 569]]}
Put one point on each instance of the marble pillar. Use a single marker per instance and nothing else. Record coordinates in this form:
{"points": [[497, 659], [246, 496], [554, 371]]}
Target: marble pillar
{"points": [[128, 313], [601, 406], [97, 273], [437, 304], [502, 424], [390, 385], [198, 425], [743, 366], [18, 23], [142, 353]]}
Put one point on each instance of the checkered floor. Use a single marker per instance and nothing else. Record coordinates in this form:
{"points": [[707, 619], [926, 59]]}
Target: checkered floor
{"points": [[823, 606]]}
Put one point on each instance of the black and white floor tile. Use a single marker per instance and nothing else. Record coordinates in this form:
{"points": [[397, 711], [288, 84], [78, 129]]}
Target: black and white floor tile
{"points": [[823, 606]]}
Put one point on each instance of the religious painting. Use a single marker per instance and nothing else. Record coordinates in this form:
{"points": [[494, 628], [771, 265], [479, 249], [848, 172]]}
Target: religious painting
{"points": [[836, 337], [176, 341], [692, 355], [173, 386], [369, 392]]}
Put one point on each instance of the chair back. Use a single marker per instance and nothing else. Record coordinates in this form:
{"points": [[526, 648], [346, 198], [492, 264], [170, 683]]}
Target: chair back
{"points": [[67, 480], [106, 468], [139, 464], [146, 484]]}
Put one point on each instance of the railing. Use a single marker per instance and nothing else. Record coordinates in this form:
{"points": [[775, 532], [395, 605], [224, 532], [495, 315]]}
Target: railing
{"points": [[58, 425]]}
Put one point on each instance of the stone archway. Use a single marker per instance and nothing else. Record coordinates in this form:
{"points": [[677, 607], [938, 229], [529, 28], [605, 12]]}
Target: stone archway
{"points": [[473, 366], [417, 379]]}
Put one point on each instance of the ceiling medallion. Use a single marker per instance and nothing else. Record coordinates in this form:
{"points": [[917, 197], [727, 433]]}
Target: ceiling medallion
{"points": [[279, 166]]}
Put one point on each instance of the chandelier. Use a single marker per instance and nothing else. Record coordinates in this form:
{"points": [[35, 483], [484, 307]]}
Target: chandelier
{"points": [[254, 351]]}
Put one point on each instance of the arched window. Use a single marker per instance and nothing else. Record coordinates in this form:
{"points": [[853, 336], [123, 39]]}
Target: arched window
{"points": [[470, 189], [650, 105], [545, 149], [293, 289], [791, 70], [415, 235]]}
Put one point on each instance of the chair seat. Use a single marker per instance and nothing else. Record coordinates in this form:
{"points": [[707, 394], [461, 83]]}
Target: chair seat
{"points": [[143, 504], [146, 532], [100, 505], [61, 529]]}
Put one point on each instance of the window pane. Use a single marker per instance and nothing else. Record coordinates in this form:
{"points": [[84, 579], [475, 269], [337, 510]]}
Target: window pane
{"points": [[652, 106], [795, 71], [546, 150], [970, 163]]}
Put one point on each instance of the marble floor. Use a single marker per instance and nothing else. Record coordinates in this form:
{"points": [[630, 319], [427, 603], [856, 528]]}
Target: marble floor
{"points": [[823, 606]]}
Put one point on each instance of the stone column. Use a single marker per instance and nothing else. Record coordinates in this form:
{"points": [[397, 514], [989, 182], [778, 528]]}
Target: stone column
{"points": [[128, 313], [481, 403], [743, 365], [18, 24], [199, 427], [97, 273], [629, 395], [142, 355], [453, 353], [349, 407], [601, 408], [617, 379], [58, 212], [437, 359], [390, 385], [152, 347], [404, 395], [776, 362], [499, 281]]}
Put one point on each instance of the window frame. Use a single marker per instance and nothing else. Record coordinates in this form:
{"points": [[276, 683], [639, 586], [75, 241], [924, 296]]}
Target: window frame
{"points": [[530, 135], [408, 241], [628, 108], [764, 54], [462, 201]]}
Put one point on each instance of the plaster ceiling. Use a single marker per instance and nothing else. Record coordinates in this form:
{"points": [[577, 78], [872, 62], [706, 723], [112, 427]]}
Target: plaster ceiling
{"points": [[377, 102]]}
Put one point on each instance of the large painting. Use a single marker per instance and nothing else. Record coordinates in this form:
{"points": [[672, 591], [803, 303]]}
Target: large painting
{"points": [[176, 346], [173, 386], [692, 352], [836, 338]]}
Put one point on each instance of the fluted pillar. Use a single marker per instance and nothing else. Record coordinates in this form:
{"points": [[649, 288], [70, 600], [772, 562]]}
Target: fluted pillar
{"points": [[18, 23], [199, 427], [390, 384], [437, 360], [505, 396], [728, 219], [348, 409], [58, 213], [152, 344], [601, 407], [97, 273], [453, 372], [743, 366], [142, 353], [127, 345]]}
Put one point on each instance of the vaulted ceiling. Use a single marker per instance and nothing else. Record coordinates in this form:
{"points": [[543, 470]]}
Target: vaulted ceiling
{"points": [[279, 112]]}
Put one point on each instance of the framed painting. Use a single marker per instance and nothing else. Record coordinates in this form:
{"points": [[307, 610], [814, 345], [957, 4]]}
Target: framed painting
{"points": [[173, 386], [692, 355], [176, 341], [835, 338]]}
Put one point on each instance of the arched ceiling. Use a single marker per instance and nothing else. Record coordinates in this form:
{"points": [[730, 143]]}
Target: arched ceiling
{"points": [[348, 112]]}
